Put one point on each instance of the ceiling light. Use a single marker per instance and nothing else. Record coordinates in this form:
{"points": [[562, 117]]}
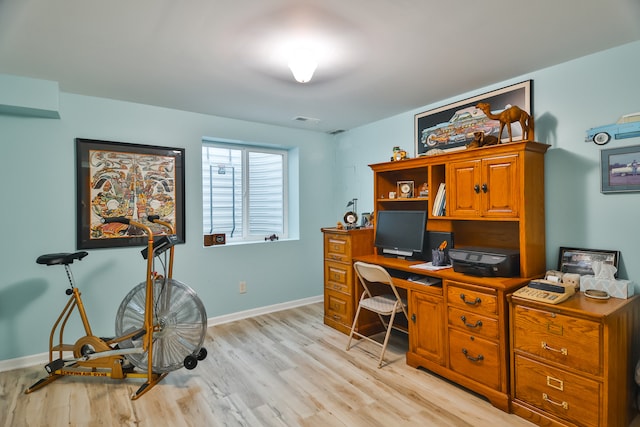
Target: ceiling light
{"points": [[302, 64]]}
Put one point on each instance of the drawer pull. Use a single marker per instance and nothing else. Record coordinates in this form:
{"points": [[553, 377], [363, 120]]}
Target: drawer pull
{"points": [[555, 383], [545, 397], [564, 351], [469, 325], [474, 302], [473, 359]]}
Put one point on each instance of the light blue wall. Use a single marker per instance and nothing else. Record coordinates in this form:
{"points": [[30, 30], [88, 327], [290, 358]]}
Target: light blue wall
{"points": [[568, 99], [38, 195], [38, 198]]}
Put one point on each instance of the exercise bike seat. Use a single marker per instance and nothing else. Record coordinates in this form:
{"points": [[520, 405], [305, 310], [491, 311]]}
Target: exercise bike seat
{"points": [[61, 258]]}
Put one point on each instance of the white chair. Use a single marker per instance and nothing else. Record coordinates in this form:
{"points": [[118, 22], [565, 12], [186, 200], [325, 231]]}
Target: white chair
{"points": [[383, 305]]}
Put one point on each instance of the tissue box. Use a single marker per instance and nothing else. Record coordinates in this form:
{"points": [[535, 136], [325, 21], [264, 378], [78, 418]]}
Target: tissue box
{"points": [[615, 287]]}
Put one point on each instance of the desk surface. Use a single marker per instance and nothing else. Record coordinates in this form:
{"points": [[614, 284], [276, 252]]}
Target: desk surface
{"points": [[506, 284]]}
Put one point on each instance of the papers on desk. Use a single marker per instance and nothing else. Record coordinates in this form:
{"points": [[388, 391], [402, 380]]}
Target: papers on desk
{"points": [[429, 266]]}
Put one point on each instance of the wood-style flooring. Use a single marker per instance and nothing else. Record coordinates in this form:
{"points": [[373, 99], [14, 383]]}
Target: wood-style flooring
{"points": [[280, 369]]}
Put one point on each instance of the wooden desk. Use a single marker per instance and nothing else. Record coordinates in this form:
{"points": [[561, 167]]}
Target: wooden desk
{"points": [[458, 330]]}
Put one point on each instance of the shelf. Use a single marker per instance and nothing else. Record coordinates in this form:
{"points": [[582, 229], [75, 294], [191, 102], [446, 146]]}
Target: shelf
{"points": [[412, 199]]}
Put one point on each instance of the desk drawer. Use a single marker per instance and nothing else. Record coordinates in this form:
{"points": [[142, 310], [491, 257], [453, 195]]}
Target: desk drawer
{"points": [[474, 357], [472, 300], [338, 277], [474, 323], [571, 341], [337, 247], [557, 392], [338, 307]]}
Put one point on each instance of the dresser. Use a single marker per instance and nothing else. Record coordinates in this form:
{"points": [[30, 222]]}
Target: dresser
{"points": [[340, 285], [573, 363]]}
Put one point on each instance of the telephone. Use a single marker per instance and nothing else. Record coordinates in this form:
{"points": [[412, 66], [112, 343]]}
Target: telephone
{"points": [[552, 289]]}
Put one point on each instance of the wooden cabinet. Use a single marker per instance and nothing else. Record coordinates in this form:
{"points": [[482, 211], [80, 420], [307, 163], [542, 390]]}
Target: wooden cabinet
{"points": [[483, 188], [486, 189], [463, 333], [573, 363], [426, 325], [340, 290]]}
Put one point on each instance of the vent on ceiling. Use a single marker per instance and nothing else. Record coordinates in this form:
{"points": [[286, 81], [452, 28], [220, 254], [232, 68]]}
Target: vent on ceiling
{"points": [[306, 119], [335, 132]]}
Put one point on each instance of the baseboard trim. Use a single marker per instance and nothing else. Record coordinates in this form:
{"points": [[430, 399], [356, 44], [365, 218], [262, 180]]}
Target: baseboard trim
{"points": [[41, 359]]}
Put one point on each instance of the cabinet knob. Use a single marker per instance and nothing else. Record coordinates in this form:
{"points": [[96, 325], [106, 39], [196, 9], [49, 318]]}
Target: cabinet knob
{"points": [[563, 404], [476, 188], [470, 325], [473, 359], [484, 188], [562, 351], [474, 302], [413, 317]]}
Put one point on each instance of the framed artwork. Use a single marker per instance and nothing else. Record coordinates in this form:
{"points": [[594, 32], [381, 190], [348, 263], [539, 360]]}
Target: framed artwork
{"points": [[452, 126], [116, 179], [575, 260], [620, 169]]}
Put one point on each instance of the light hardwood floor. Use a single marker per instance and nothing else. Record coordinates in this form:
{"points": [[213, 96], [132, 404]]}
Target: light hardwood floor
{"points": [[280, 369]]}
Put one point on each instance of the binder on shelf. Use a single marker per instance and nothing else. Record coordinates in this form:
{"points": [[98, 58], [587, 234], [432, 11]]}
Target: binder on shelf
{"points": [[439, 201]]}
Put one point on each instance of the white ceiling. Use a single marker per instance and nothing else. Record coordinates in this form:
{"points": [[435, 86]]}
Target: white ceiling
{"points": [[378, 58]]}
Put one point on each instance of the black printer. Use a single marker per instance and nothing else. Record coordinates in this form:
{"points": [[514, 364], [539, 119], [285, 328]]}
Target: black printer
{"points": [[486, 262]]}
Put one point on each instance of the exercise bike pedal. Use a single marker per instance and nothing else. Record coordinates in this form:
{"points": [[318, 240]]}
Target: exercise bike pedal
{"points": [[54, 366]]}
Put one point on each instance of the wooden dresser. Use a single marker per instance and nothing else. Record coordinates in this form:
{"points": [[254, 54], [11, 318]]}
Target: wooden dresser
{"points": [[340, 290], [573, 363]]}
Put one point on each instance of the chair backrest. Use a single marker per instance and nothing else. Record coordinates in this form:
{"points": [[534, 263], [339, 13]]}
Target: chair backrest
{"points": [[372, 273]]}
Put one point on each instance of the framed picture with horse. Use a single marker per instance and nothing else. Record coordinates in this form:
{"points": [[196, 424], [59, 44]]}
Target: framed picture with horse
{"points": [[499, 116]]}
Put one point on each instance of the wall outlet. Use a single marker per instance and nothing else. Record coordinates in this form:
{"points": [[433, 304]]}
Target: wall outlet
{"points": [[243, 287]]}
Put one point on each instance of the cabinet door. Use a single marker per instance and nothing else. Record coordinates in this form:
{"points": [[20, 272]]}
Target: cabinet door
{"points": [[499, 187], [426, 327], [462, 190]]}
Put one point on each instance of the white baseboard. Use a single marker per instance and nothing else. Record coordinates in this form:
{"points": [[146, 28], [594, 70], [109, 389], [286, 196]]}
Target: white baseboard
{"points": [[219, 320], [41, 359]]}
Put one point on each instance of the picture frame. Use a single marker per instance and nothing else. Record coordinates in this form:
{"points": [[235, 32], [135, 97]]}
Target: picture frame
{"points": [[404, 189], [451, 126], [577, 260], [620, 169], [132, 180]]}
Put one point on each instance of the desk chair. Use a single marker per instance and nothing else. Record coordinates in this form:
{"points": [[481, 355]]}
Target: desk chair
{"points": [[382, 305]]}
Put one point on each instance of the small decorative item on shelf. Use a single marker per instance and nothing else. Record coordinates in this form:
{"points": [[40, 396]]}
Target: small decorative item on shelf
{"points": [[424, 190], [351, 217], [512, 114], [405, 189], [398, 154]]}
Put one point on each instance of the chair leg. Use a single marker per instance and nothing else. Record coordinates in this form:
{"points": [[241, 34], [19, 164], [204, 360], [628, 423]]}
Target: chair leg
{"points": [[386, 339], [353, 327]]}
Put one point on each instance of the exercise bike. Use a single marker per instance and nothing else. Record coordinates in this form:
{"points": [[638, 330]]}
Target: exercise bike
{"points": [[160, 324]]}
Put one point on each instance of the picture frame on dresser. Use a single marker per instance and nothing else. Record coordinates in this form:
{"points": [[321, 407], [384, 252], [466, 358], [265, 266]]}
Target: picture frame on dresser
{"points": [[620, 169], [451, 126], [576, 260]]}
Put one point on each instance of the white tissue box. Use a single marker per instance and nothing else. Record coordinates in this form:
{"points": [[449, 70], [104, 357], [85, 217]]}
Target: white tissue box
{"points": [[615, 287]]}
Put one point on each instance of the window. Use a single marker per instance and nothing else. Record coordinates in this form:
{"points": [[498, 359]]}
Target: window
{"points": [[244, 191]]}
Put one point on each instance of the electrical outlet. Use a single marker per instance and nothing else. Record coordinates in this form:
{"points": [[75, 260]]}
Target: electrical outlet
{"points": [[243, 287]]}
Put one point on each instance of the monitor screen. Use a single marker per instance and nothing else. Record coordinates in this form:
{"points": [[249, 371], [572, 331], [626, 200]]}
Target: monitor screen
{"points": [[401, 233]]}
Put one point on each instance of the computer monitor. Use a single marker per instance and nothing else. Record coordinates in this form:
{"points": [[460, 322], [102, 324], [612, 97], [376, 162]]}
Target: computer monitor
{"points": [[402, 234]]}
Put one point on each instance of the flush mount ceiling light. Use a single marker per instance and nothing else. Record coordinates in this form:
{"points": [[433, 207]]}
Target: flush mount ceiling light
{"points": [[303, 64]]}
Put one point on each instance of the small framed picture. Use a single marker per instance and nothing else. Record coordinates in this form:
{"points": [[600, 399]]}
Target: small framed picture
{"points": [[405, 189], [575, 260], [620, 169]]}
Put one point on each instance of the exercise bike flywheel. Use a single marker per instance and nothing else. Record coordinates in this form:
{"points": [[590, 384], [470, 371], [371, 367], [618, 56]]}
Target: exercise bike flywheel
{"points": [[180, 322]]}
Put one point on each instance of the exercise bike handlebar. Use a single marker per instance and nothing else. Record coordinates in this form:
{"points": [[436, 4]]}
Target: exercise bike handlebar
{"points": [[151, 218]]}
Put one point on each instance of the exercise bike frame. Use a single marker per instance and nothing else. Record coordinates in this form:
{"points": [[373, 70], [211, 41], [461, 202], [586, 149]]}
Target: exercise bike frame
{"points": [[101, 357]]}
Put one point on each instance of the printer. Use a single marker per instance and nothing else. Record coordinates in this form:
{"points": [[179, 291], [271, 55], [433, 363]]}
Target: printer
{"points": [[485, 262]]}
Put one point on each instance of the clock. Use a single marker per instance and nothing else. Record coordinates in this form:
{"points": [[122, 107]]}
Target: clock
{"points": [[351, 218], [405, 189]]}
